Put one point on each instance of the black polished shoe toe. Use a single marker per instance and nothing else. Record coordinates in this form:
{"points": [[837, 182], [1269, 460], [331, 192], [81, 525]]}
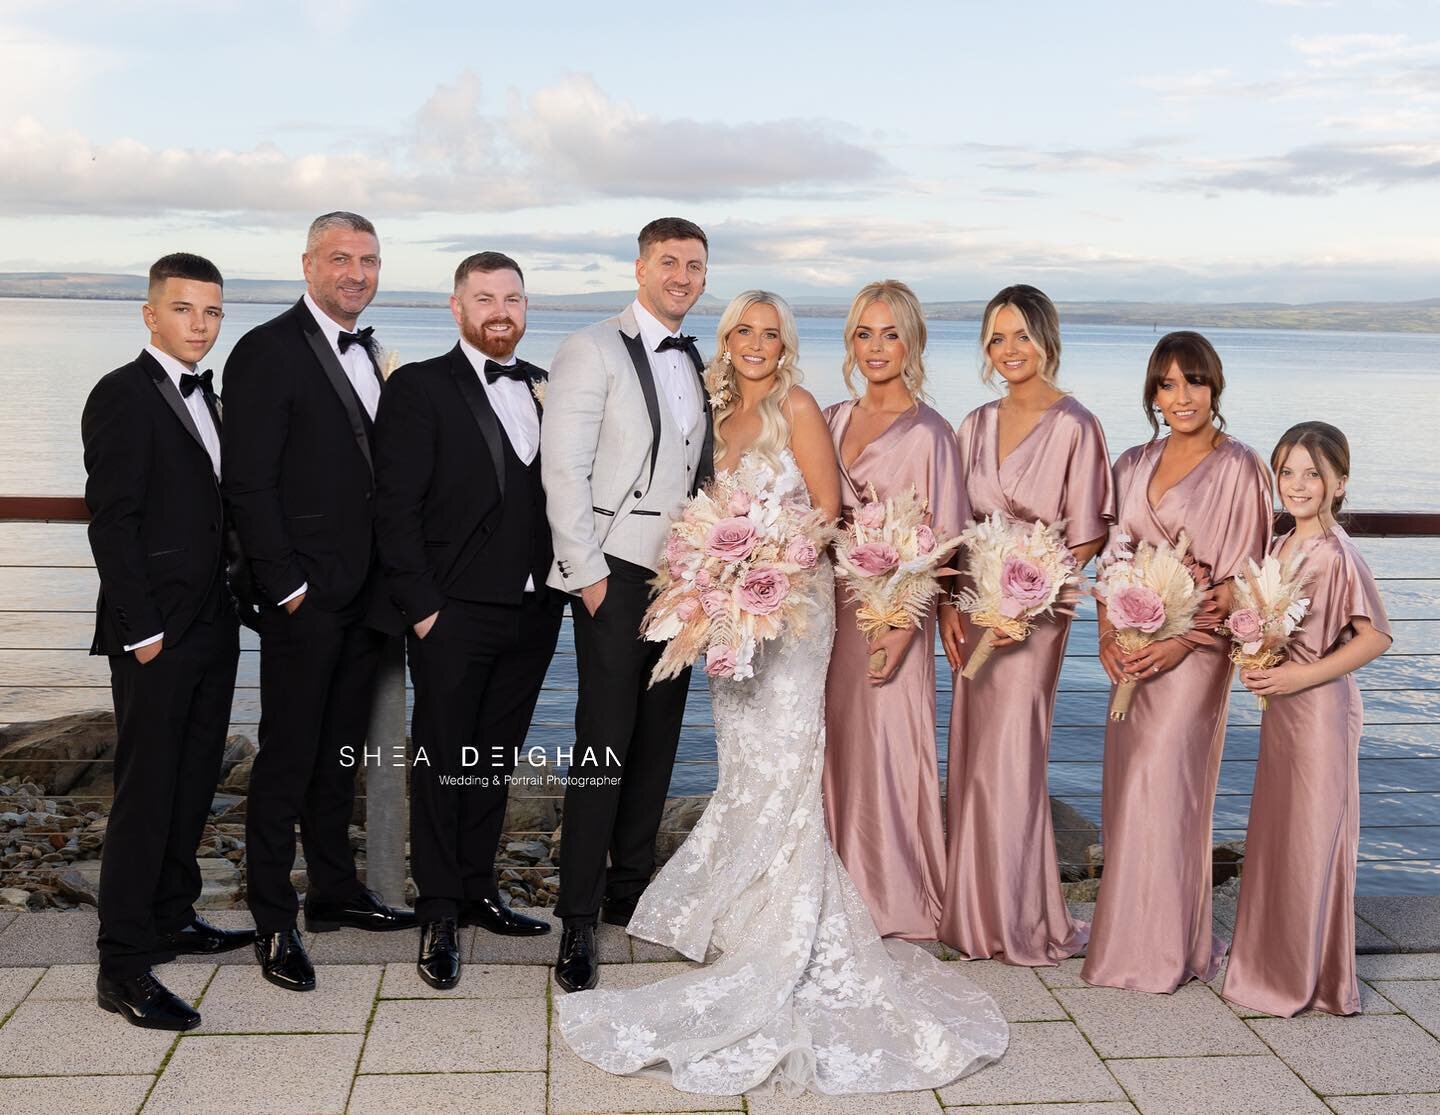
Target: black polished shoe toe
{"points": [[577, 968], [203, 939], [439, 962], [145, 1001], [283, 960], [493, 915], [366, 910]]}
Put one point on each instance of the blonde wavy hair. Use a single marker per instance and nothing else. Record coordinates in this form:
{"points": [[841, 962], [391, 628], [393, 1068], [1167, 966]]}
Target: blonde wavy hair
{"points": [[725, 393], [909, 323]]}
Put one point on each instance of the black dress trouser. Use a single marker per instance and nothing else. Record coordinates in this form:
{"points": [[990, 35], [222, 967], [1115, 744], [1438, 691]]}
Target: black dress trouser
{"points": [[624, 727], [477, 676], [171, 717]]}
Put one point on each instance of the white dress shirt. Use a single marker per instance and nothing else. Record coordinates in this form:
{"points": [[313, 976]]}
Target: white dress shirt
{"points": [[355, 360], [675, 376], [514, 404]]}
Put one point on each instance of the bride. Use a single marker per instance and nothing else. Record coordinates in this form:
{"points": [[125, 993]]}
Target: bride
{"points": [[800, 992]]}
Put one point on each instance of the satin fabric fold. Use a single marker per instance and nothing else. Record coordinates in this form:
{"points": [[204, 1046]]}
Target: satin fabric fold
{"points": [[882, 779], [1002, 892], [1151, 929], [1294, 946]]}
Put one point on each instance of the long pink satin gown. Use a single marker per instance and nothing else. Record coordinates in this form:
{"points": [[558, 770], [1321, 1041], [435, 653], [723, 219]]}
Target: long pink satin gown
{"points": [[1151, 930], [1002, 892], [1294, 946], [882, 779]]}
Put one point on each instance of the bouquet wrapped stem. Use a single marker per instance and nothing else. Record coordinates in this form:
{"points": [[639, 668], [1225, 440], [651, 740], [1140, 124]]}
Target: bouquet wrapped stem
{"points": [[983, 649], [1269, 608]]}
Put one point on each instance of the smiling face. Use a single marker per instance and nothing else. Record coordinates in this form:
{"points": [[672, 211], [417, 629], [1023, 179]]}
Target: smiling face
{"points": [[183, 316], [1184, 401], [489, 307], [1011, 349], [671, 278], [342, 273], [876, 345], [756, 343], [1307, 486]]}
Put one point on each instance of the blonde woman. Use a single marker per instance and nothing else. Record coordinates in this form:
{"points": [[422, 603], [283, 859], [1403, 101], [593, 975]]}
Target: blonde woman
{"points": [[882, 781], [801, 993]]}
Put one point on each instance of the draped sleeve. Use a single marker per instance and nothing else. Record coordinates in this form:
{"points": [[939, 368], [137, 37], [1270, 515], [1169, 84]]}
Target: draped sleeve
{"points": [[1089, 499]]}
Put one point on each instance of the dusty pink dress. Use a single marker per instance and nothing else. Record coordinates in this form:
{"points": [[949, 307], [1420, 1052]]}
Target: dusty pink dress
{"points": [[1294, 945], [882, 780], [1151, 930], [1002, 892]]}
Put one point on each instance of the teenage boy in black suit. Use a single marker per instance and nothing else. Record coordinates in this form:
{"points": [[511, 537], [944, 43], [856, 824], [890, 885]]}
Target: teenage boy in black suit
{"points": [[166, 621]]}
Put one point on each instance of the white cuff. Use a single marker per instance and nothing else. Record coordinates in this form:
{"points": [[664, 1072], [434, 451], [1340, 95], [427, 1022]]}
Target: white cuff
{"points": [[145, 642], [304, 586]]}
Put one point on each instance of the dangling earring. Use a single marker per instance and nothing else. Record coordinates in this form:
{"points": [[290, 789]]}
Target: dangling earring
{"points": [[725, 358], [780, 363]]}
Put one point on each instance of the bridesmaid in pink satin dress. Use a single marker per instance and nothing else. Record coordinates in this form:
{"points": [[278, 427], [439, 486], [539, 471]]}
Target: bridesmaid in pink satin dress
{"points": [[1294, 945], [881, 780], [1151, 930], [1035, 454]]}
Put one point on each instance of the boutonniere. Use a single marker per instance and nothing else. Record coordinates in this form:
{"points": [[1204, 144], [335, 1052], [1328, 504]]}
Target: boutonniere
{"points": [[537, 388], [389, 361]]}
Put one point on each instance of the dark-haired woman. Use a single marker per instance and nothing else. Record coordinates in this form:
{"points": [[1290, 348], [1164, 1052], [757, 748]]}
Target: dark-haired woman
{"points": [[1034, 454], [1151, 930], [1294, 943]]}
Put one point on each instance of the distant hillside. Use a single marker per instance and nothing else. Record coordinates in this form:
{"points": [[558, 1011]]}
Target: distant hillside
{"points": [[1380, 317]]}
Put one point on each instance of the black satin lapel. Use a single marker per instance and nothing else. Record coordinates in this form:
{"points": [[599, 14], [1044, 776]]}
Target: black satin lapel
{"points": [[330, 364], [463, 373], [171, 394], [641, 359]]}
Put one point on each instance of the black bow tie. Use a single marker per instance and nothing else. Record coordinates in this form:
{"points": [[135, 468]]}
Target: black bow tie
{"points": [[189, 381], [515, 371], [360, 337], [682, 342]]}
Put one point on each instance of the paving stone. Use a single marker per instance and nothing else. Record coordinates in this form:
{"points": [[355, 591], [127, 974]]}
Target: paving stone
{"points": [[627, 977], [1411, 921], [1386, 1105], [240, 1001], [1064, 974], [258, 1075], [1399, 966], [431, 1035], [578, 1088], [1192, 1022], [15, 984], [1420, 999], [488, 1093], [356, 946], [7, 918], [77, 981], [51, 938], [1370, 940], [645, 952], [477, 981], [1371, 1002], [1050, 1109], [1354, 1056], [886, 1103], [66, 1095], [77, 1039], [1018, 991], [1205, 1085], [1047, 1062]]}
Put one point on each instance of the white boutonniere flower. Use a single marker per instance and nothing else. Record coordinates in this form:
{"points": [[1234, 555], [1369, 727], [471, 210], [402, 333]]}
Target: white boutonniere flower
{"points": [[537, 388], [389, 361]]}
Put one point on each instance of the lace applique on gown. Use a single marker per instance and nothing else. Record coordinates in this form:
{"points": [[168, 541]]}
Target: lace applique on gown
{"points": [[801, 992]]}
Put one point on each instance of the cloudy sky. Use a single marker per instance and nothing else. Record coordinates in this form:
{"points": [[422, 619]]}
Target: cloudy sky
{"points": [[1277, 150]]}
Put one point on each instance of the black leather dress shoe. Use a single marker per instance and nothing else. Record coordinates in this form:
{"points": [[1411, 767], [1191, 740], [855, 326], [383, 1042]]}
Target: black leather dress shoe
{"points": [[200, 937], [365, 911], [283, 960], [578, 967], [145, 1001], [618, 913], [439, 963], [494, 915]]}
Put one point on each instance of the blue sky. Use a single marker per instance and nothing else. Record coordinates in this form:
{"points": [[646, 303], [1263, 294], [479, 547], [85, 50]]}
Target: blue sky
{"points": [[1273, 150]]}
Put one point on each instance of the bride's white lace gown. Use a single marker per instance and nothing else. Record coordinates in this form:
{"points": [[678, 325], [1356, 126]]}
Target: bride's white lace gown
{"points": [[801, 992]]}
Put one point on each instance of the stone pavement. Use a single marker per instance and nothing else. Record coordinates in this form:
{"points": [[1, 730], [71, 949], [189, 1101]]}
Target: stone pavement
{"points": [[374, 1039]]}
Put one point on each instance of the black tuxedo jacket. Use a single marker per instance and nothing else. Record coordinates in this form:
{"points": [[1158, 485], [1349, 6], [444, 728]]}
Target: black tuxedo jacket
{"points": [[296, 463], [157, 521], [442, 485]]}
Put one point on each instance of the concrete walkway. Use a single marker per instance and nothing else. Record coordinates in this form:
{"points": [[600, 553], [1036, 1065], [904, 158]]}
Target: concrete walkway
{"points": [[374, 1039]]}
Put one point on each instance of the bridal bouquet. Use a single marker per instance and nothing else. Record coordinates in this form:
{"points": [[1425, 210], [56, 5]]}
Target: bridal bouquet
{"points": [[1268, 610], [890, 560], [1150, 594], [1017, 572], [740, 567]]}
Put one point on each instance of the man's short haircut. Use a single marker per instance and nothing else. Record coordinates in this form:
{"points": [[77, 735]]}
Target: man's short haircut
{"points": [[339, 219], [182, 265], [486, 262], [671, 228]]}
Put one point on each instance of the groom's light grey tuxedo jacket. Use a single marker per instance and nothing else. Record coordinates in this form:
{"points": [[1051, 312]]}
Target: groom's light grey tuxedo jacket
{"points": [[615, 464]]}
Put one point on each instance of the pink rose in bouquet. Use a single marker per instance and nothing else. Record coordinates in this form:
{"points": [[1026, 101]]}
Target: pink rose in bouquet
{"points": [[762, 590], [1023, 585], [874, 558], [720, 661], [1136, 606], [687, 609], [739, 502], [731, 539], [924, 539], [703, 579], [871, 515], [715, 602], [1247, 628], [678, 555], [801, 552]]}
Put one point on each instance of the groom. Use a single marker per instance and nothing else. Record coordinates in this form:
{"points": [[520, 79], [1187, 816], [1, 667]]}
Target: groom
{"points": [[627, 438]]}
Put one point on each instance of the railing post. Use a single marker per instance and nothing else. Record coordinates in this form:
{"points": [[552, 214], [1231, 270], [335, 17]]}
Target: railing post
{"points": [[387, 812]]}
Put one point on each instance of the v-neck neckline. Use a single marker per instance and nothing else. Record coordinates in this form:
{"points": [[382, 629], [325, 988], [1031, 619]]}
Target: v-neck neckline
{"points": [[1154, 505], [1000, 461], [845, 429]]}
